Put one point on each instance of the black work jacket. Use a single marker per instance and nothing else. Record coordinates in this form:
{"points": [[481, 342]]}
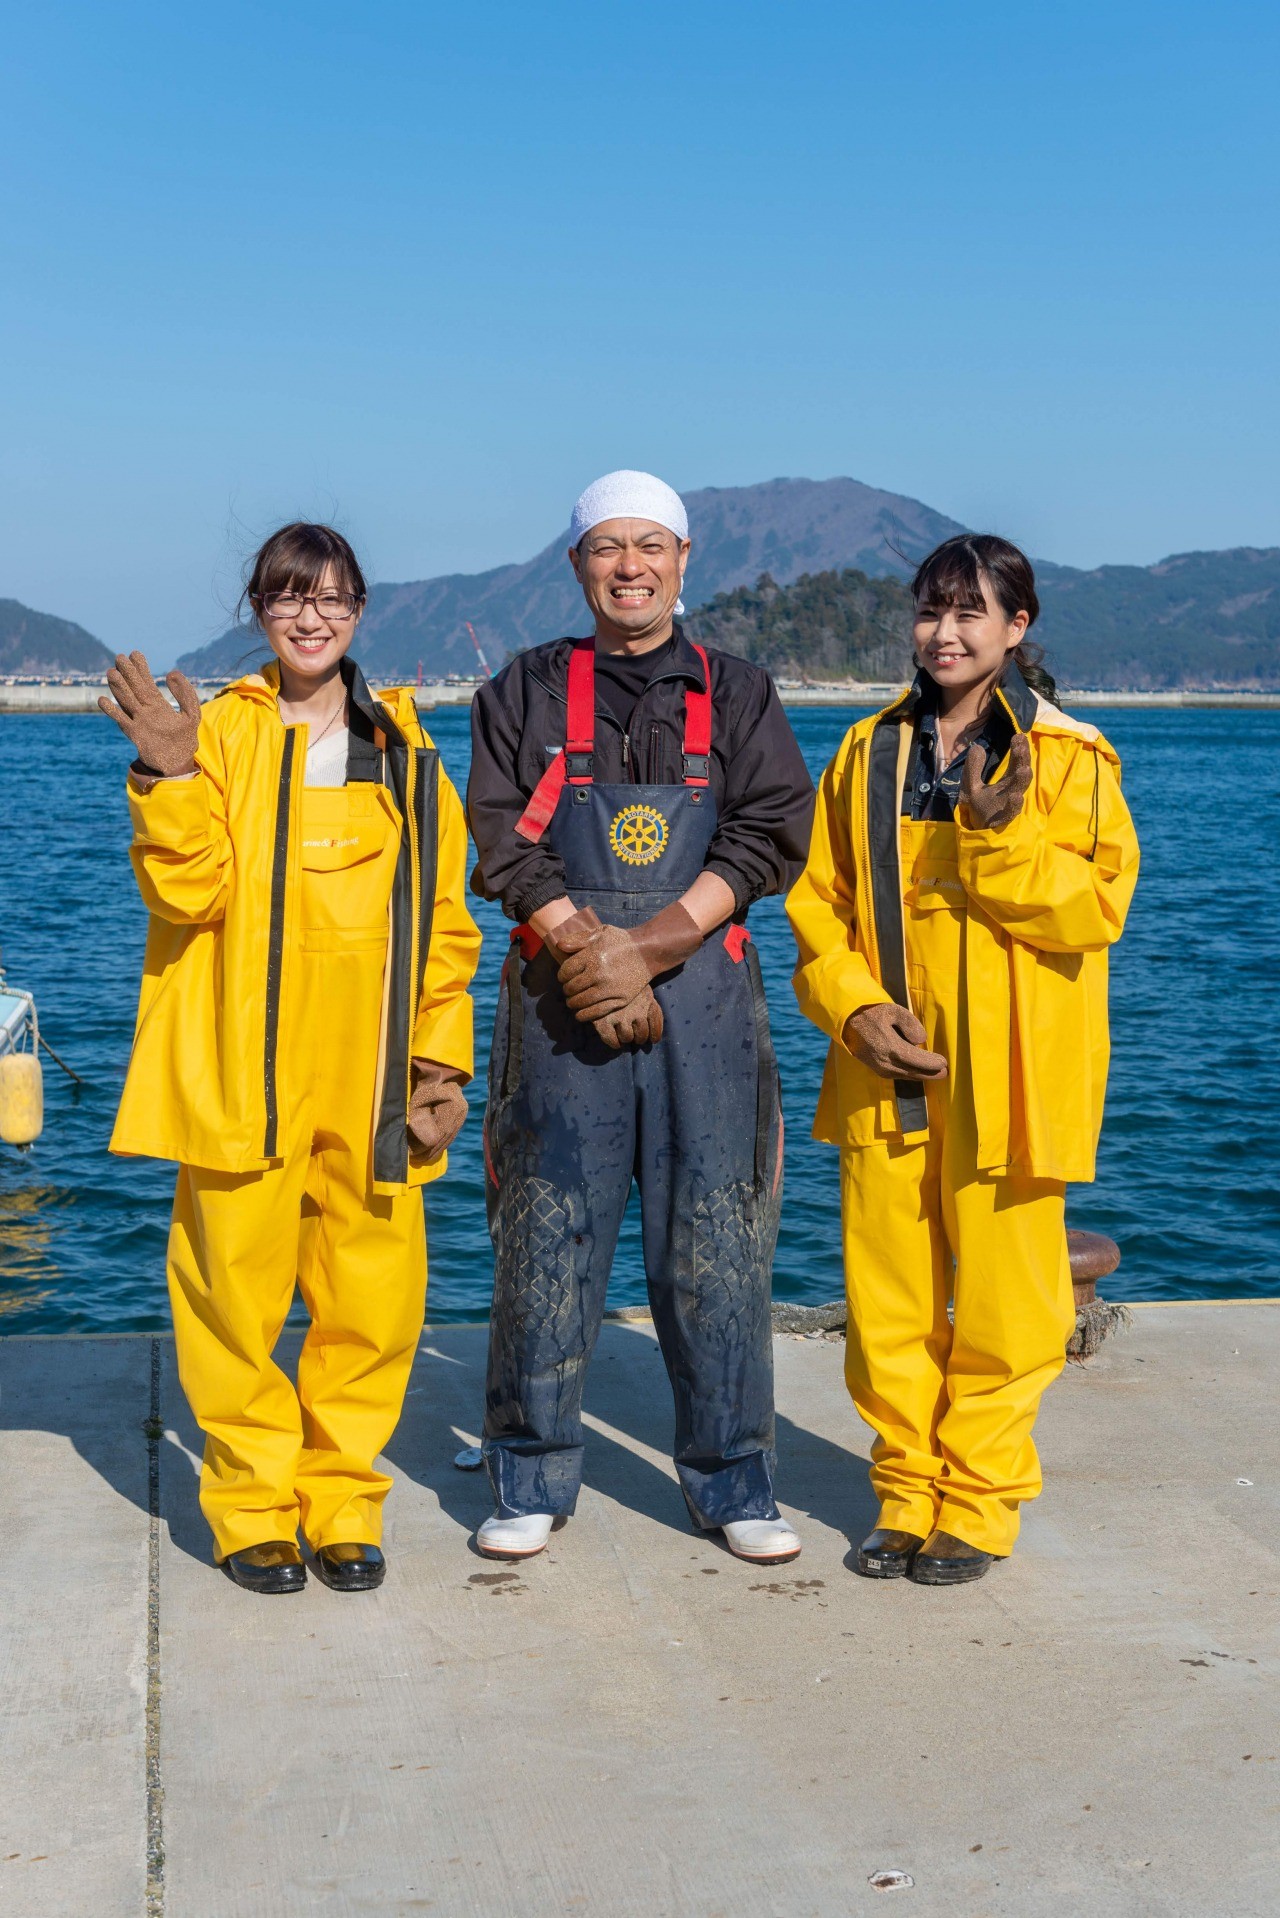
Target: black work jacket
{"points": [[762, 788]]}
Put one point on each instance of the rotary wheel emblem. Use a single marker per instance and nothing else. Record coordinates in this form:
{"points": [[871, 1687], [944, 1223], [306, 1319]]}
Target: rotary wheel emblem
{"points": [[638, 835]]}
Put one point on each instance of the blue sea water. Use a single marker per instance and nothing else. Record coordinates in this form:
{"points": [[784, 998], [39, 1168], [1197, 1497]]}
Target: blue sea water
{"points": [[1189, 1173]]}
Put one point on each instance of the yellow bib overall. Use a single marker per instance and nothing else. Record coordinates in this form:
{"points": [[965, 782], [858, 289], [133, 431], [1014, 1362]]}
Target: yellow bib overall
{"points": [[277, 1458], [952, 1406]]}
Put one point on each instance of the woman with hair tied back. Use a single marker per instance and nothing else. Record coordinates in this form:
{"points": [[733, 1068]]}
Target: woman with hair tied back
{"points": [[303, 1036], [972, 862]]}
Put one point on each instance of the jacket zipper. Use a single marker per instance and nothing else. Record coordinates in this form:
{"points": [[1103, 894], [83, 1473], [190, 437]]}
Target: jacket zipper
{"points": [[275, 941], [415, 871]]}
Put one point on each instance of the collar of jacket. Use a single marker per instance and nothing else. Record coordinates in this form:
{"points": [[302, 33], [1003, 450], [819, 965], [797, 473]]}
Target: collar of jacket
{"points": [[685, 664], [386, 713], [1011, 692]]}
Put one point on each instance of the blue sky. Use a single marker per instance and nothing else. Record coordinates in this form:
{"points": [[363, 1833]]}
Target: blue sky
{"points": [[428, 270]]}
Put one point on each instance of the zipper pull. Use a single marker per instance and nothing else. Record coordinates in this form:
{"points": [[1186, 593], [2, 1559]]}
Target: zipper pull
{"points": [[626, 751]]}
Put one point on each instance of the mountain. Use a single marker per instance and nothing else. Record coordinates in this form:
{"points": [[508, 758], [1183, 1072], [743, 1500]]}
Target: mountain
{"points": [[40, 645], [784, 527], [1210, 620]]}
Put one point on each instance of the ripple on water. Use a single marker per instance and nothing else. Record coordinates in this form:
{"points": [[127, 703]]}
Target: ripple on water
{"points": [[1188, 1172]]}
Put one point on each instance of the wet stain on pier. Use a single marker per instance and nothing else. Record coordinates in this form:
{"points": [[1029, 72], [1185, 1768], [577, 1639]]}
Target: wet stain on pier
{"points": [[790, 1588], [507, 1584]]}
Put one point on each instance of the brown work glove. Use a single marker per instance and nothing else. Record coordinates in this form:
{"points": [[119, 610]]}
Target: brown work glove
{"points": [[890, 1040], [571, 935], [437, 1108], [638, 1022], [990, 808], [165, 740], [616, 964]]}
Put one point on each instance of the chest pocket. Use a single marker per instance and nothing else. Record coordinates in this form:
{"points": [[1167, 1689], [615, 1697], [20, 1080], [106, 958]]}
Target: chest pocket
{"points": [[350, 842], [937, 889]]}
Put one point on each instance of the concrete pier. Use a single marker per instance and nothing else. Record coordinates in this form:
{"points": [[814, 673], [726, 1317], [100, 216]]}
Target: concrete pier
{"points": [[636, 1723]]}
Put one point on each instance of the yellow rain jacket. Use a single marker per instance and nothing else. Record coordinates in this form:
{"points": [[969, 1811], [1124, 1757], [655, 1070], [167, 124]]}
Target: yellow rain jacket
{"points": [[218, 862], [1045, 899]]}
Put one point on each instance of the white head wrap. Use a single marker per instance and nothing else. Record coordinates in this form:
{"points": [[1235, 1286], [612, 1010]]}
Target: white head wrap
{"points": [[628, 495]]}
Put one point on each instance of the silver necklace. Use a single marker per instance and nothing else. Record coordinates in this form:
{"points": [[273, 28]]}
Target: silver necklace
{"points": [[328, 726]]}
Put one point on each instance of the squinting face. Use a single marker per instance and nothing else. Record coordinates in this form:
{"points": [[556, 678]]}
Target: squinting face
{"points": [[961, 646], [631, 571], [313, 636]]}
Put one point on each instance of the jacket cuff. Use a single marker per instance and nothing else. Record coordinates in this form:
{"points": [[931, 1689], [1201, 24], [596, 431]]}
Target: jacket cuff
{"points": [[172, 812], [743, 895], [998, 850], [445, 1034], [522, 906], [830, 998]]}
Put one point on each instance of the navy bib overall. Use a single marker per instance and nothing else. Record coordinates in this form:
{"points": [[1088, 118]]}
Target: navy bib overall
{"points": [[695, 1119]]}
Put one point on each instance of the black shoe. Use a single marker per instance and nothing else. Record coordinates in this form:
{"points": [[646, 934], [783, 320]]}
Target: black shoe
{"points": [[946, 1560], [888, 1554], [350, 1568], [274, 1567]]}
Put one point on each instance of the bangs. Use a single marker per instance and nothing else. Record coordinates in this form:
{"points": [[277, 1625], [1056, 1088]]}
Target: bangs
{"points": [[296, 558], [951, 577]]}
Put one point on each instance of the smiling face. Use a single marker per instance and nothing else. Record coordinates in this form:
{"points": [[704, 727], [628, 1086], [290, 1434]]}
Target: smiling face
{"points": [[631, 571], [965, 646], [310, 635]]}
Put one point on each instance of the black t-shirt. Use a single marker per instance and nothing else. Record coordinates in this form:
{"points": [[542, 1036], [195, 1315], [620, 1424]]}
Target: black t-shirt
{"points": [[622, 677]]}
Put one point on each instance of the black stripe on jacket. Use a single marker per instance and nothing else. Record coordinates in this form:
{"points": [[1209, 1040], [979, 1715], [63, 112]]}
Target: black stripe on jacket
{"points": [[884, 807]]}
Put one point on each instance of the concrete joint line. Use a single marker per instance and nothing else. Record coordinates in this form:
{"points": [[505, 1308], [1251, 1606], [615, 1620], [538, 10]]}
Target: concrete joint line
{"points": [[155, 1788]]}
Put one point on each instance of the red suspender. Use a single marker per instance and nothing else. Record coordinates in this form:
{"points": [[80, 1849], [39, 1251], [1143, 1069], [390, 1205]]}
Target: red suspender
{"points": [[575, 762], [580, 728], [697, 729]]}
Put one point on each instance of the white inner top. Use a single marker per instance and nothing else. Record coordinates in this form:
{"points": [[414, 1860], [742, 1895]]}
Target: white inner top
{"points": [[327, 759]]}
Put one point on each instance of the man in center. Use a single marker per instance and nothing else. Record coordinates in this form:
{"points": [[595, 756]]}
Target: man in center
{"points": [[631, 796]]}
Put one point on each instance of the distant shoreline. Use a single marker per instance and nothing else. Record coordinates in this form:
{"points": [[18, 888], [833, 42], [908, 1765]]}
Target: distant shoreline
{"points": [[83, 698]]}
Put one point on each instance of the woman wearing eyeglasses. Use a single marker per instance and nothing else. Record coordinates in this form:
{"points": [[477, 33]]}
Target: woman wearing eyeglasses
{"points": [[303, 1036]]}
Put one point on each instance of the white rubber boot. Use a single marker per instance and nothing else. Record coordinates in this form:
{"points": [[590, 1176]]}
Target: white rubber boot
{"points": [[764, 1541], [514, 1537]]}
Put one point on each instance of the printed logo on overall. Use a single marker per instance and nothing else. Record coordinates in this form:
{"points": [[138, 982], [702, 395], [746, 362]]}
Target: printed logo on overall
{"points": [[638, 835]]}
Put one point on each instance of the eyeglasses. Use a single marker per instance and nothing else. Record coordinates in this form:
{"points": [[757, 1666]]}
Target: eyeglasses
{"points": [[328, 605]]}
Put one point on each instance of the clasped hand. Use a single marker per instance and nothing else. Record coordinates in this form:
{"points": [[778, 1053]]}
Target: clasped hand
{"points": [[606, 971]]}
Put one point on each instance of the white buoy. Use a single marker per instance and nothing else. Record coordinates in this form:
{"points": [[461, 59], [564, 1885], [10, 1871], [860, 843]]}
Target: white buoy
{"points": [[21, 1080]]}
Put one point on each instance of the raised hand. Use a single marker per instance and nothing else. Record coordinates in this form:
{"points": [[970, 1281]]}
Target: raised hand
{"points": [[890, 1040], [990, 808], [164, 739]]}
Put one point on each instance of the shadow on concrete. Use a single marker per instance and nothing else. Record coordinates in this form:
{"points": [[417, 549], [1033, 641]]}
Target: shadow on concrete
{"points": [[97, 1394], [628, 1392]]}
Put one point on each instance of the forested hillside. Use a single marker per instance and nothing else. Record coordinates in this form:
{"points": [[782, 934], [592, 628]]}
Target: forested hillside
{"points": [[1208, 620], [836, 625], [41, 644]]}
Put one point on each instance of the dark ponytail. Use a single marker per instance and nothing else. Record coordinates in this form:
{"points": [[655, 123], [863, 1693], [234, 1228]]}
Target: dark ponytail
{"points": [[953, 574]]}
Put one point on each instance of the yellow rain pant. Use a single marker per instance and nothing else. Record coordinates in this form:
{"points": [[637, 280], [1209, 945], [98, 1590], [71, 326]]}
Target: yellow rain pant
{"points": [[277, 1457], [952, 1407]]}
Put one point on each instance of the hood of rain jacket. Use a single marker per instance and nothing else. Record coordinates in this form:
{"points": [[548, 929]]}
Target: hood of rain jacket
{"points": [[1046, 897], [218, 863]]}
